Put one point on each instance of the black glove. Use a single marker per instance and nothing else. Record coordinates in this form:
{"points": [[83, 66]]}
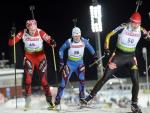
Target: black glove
{"points": [[61, 64], [13, 31], [53, 43], [95, 58], [107, 52], [12, 35]]}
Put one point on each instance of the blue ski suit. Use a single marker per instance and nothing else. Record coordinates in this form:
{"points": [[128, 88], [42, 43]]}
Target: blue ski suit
{"points": [[74, 64]]}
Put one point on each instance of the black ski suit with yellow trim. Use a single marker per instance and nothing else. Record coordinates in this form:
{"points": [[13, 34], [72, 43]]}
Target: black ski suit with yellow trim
{"points": [[124, 55]]}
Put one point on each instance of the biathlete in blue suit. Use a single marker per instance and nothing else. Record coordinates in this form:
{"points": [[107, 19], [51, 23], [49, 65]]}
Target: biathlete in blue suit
{"points": [[75, 46]]}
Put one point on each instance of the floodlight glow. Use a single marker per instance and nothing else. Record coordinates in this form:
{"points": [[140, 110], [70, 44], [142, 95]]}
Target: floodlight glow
{"points": [[96, 22]]}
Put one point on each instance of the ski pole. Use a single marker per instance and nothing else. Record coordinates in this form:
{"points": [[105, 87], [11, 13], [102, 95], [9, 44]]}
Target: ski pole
{"points": [[31, 9], [13, 30], [138, 3], [74, 22], [54, 60], [147, 69], [144, 50], [96, 61]]}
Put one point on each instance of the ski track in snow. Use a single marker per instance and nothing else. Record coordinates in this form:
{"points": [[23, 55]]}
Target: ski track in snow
{"points": [[64, 109], [39, 105]]}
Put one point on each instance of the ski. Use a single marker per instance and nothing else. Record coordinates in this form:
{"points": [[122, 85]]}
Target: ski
{"points": [[35, 108], [87, 106]]}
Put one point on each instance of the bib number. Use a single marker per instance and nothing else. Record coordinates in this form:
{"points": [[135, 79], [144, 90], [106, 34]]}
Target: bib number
{"points": [[130, 41], [76, 53]]}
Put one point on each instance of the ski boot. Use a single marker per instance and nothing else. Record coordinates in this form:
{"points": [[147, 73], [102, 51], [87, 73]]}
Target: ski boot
{"points": [[86, 100], [27, 102], [135, 108], [51, 105], [57, 104], [83, 101]]}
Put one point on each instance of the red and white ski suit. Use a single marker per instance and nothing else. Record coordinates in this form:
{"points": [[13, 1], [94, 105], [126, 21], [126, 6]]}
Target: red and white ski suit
{"points": [[34, 57]]}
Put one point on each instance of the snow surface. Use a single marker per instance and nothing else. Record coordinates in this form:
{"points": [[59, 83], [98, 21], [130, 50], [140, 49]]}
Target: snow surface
{"points": [[39, 104], [40, 107]]}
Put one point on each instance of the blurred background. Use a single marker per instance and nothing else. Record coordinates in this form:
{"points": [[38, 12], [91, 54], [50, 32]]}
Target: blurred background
{"points": [[55, 17]]}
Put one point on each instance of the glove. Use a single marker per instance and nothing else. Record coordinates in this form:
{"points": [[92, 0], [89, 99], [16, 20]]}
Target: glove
{"points": [[107, 52], [53, 43], [61, 64], [13, 31], [95, 58], [12, 35]]}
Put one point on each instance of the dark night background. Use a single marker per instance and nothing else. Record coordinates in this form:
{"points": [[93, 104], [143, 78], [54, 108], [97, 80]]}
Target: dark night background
{"points": [[55, 17]]}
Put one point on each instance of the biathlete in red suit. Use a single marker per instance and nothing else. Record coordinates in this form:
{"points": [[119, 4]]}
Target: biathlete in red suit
{"points": [[33, 38]]}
